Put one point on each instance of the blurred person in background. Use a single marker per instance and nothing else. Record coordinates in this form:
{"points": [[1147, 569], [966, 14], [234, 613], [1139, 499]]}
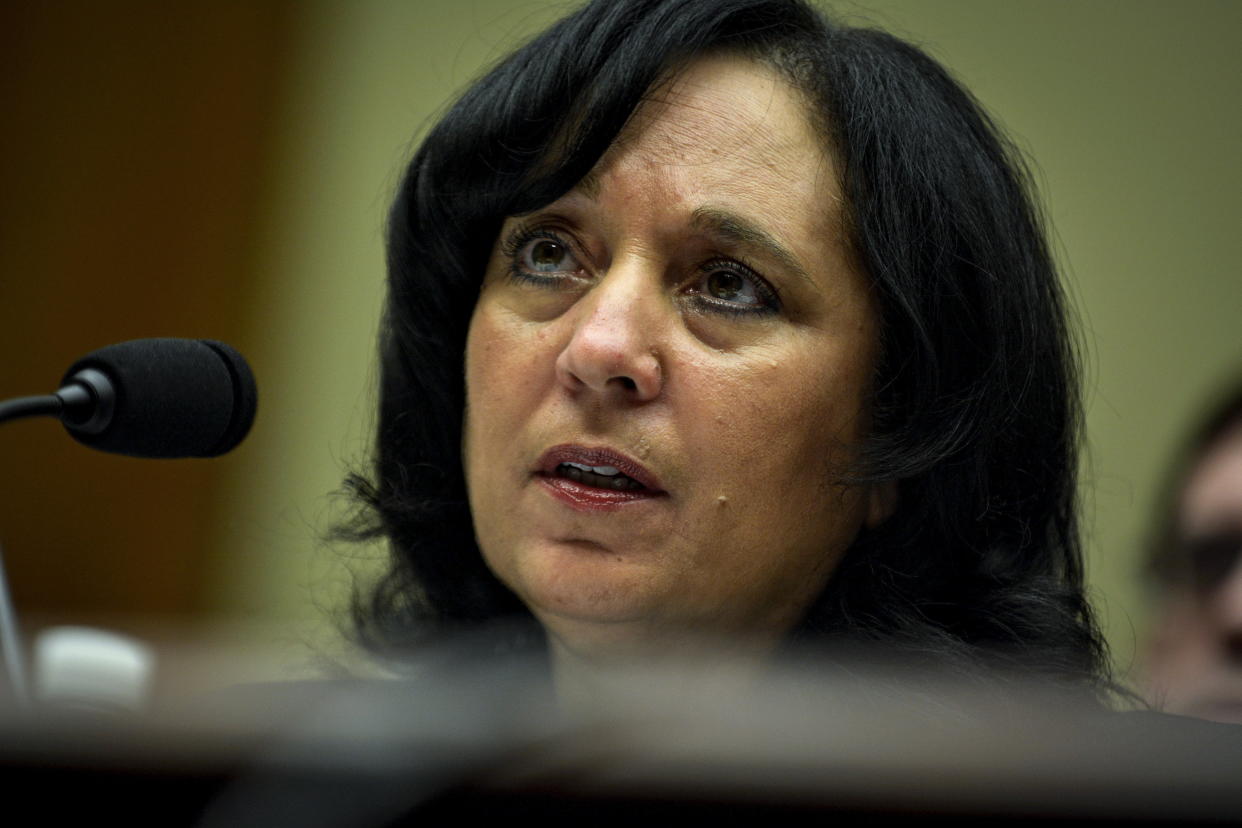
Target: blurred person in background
{"points": [[1194, 657]]}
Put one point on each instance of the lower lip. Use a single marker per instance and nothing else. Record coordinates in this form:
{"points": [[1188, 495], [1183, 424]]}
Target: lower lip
{"points": [[592, 498]]}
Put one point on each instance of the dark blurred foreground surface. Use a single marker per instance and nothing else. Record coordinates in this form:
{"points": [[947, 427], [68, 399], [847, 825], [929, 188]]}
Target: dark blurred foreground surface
{"points": [[486, 740]]}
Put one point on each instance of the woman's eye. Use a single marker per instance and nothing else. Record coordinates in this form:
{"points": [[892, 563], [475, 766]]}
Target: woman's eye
{"points": [[732, 288], [546, 254], [723, 284], [542, 258]]}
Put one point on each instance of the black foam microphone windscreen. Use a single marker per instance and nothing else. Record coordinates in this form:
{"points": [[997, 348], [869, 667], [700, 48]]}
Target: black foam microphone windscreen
{"points": [[173, 398]]}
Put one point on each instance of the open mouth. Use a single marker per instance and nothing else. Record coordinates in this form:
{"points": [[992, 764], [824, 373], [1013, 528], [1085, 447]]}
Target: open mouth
{"points": [[603, 477], [596, 478]]}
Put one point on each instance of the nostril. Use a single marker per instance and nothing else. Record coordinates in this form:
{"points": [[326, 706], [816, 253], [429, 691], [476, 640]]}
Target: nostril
{"points": [[627, 383]]}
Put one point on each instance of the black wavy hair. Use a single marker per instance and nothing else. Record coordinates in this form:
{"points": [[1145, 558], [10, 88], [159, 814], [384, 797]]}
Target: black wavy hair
{"points": [[976, 411]]}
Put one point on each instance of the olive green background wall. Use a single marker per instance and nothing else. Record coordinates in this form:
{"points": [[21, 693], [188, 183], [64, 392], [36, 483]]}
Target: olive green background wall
{"points": [[1129, 110]]}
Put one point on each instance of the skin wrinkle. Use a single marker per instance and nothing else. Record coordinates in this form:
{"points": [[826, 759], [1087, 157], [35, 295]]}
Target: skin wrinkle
{"points": [[761, 412]]}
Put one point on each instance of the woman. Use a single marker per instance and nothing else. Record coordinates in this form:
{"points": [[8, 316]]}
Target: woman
{"points": [[1194, 657], [719, 319]]}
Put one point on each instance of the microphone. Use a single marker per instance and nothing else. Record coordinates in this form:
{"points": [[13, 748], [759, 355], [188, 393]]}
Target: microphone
{"points": [[153, 398]]}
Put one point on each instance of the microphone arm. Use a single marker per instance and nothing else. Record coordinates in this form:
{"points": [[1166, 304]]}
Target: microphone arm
{"points": [[10, 641], [44, 405], [66, 403]]}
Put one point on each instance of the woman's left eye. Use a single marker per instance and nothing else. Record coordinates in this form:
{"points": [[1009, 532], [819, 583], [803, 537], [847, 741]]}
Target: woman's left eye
{"points": [[733, 288]]}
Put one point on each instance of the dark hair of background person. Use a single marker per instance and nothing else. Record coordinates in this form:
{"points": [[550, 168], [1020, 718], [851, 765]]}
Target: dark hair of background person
{"points": [[1170, 561], [976, 410]]}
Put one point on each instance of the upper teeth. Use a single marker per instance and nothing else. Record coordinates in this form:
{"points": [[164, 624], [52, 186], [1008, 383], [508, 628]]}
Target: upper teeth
{"points": [[606, 470]]}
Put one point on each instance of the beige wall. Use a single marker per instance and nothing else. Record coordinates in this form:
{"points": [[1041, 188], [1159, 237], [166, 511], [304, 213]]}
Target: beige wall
{"points": [[1130, 110]]}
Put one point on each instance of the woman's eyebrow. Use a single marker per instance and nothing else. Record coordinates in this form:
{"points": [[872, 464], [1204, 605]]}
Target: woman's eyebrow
{"points": [[734, 228], [588, 185]]}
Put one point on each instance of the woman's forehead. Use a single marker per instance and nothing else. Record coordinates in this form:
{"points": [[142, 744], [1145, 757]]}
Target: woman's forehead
{"points": [[721, 111], [727, 134]]}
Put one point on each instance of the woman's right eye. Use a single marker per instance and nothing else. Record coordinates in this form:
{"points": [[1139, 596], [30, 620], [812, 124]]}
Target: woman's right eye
{"points": [[546, 256], [541, 256]]}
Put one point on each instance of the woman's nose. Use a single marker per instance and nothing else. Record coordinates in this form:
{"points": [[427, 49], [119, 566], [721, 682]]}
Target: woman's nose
{"points": [[613, 348]]}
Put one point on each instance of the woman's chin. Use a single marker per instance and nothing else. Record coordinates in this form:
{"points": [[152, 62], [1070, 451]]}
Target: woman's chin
{"points": [[608, 598], [583, 581]]}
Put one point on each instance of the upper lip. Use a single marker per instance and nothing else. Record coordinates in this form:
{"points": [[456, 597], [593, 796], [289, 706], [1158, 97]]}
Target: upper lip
{"points": [[597, 456]]}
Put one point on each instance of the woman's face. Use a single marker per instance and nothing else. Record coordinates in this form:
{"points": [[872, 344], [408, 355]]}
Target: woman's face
{"points": [[667, 372], [1195, 657]]}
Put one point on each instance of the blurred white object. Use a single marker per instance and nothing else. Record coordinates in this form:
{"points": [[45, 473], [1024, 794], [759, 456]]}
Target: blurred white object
{"points": [[92, 668]]}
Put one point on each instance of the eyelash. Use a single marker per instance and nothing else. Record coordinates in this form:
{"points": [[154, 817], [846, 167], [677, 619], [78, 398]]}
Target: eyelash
{"points": [[765, 292]]}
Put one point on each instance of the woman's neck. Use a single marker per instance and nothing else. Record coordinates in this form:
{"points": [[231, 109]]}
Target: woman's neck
{"points": [[591, 682]]}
